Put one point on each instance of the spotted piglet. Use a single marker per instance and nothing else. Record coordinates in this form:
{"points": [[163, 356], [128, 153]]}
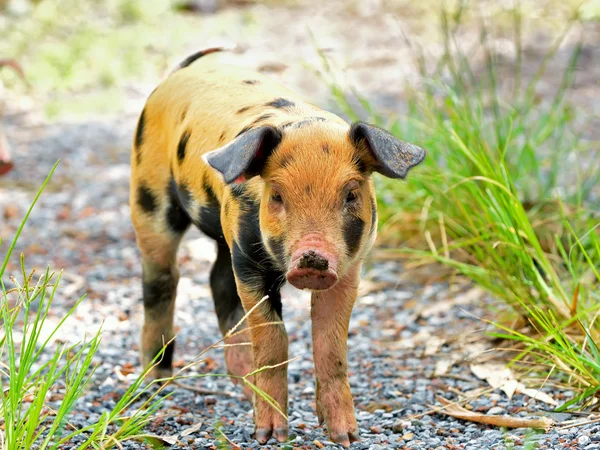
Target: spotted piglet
{"points": [[284, 188]]}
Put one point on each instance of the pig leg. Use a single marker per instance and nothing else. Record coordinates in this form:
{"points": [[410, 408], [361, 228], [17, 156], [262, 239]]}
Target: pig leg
{"points": [[158, 231], [269, 347], [229, 312], [159, 289], [330, 314]]}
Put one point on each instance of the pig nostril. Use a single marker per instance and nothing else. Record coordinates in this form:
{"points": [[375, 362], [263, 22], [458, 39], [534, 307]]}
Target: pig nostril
{"points": [[312, 260]]}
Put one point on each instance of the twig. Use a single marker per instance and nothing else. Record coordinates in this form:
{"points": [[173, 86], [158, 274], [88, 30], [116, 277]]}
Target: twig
{"points": [[273, 366], [573, 425], [235, 446], [437, 409], [202, 391], [457, 411]]}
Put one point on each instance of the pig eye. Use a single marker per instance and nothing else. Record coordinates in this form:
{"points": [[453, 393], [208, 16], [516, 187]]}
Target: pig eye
{"points": [[276, 197], [351, 197], [351, 192]]}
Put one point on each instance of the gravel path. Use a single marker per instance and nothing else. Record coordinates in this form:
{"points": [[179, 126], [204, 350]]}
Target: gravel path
{"points": [[412, 338]]}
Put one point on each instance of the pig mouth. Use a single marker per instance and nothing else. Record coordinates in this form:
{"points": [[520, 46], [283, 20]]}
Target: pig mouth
{"points": [[312, 270]]}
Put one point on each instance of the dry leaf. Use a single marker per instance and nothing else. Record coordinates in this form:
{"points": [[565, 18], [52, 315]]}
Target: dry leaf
{"points": [[495, 374], [474, 350], [368, 286], [191, 429], [539, 395], [422, 337], [171, 440], [127, 369], [457, 411], [510, 387], [463, 298], [433, 345], [122, 373], [442, 366], [501, 377]]}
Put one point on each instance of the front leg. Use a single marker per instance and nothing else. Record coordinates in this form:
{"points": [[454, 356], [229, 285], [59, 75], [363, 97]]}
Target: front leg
{"points": [[330, 313], [269, 348]]}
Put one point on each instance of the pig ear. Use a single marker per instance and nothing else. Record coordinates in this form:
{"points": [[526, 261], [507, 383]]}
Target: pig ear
{"points": [[246, 155], [391, 156]]}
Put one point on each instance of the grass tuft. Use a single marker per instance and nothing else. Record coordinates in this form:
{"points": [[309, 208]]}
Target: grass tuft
{"points": [[33, 367]]}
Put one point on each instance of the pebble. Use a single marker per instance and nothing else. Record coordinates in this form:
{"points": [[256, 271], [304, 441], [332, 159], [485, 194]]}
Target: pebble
{"points": [[583, 440]]}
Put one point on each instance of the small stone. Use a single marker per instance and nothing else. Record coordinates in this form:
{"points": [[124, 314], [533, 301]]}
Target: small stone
{"points": [[416, 423], [10, 212], [308, 390], [408, 436], [400, 425], [496, 410], [583, 440]]}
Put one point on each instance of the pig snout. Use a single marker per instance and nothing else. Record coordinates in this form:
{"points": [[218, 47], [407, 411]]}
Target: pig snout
{"points": [[312, 268]]}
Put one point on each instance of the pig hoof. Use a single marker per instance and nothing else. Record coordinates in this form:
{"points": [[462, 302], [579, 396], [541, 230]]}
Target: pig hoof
{"points": [[269, 422], [263, 435], [345, 438], [281, 434]]}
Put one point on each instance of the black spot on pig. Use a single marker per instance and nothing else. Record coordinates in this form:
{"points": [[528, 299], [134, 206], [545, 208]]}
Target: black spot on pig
{"points": [[139, 135], [146, 199], [181, 147], [178, 219], [353, 231], [280, 103], [261, 119]]}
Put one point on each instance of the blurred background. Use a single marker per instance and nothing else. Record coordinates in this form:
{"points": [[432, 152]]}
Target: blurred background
{"points": [[91, 57]]}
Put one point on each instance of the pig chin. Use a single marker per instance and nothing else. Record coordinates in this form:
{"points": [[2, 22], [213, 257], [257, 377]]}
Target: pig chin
{"points": [[312, 266]]}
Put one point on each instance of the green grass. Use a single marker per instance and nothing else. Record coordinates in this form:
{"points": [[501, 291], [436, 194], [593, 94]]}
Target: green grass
{"points": [[506, 196], [32, 366]]}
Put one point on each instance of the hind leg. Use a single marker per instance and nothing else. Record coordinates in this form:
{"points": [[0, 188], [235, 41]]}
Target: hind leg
{"points": [[158, 234], [228, 306], [159, 289]]}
